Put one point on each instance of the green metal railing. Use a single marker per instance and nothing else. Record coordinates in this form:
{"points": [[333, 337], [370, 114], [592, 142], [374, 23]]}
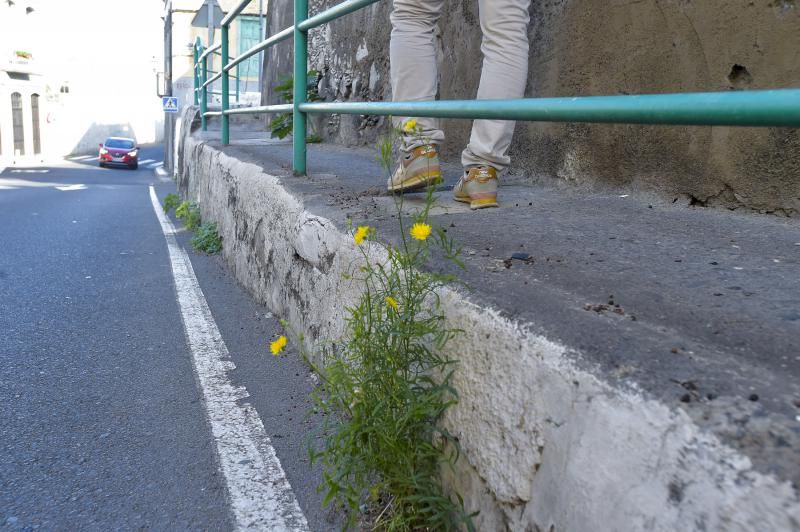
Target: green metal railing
{"points": [[202, 82], [757, 108]]}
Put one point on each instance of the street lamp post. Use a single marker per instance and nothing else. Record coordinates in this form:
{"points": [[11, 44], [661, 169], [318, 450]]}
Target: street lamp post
{"points": [[169, 124]]}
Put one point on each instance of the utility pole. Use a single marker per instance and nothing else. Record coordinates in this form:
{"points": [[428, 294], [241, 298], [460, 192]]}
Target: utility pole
{"points": [[210, 5], [261, 37], [169, 121]]}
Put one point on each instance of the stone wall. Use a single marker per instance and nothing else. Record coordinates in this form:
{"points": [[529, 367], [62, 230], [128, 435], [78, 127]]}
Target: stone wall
{"points": [[593, 47], [547, 445]]}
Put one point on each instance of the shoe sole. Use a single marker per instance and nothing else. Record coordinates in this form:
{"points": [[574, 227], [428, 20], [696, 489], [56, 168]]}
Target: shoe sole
{"points": [[418, 182], [483, 203]]}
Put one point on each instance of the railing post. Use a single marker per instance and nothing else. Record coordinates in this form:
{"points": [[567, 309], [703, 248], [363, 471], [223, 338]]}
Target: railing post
{"points": [[204, 93], [237, 82], [194, 74], [300, 87], [225, 97]]}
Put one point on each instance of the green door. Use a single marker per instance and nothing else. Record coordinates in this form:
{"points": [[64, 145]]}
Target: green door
{"points": [[248, 37]]}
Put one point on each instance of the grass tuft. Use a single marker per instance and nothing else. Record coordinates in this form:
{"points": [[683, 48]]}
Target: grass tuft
{"points": [[207, 239], [170, 202], [190, 214]]}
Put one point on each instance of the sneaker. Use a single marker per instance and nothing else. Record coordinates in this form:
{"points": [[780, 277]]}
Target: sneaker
{"points": [[478, 187], [418, 169]]}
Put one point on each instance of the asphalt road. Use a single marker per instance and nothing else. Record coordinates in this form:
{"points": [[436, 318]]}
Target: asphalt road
{"points": [[103, 424]]}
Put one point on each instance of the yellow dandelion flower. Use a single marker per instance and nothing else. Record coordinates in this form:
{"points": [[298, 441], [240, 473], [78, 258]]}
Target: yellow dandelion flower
{"points": [[278, 345], [392, 302], [420, 231], [361, 234], [410, 125]]}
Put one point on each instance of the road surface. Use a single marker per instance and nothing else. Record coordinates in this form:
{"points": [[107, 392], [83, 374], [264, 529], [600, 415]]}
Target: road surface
{"points": [[136, 385]]}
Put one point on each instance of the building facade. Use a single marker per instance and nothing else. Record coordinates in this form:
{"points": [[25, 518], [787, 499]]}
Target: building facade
{"points": [[189, 22], [24, 93], [69, 79]]}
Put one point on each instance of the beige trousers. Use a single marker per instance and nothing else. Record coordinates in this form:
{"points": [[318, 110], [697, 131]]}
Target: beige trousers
{"points": [[505, 70]]}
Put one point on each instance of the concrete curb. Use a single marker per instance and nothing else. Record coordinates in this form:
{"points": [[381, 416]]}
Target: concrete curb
{"points": [[546, 444]]}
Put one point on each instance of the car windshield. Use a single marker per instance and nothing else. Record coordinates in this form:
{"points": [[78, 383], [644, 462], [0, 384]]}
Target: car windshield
{"points": [[119, 143]]}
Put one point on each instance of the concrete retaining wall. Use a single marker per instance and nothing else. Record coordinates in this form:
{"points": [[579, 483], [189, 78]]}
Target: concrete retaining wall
{"points": [[593, 47], [547, 446]]}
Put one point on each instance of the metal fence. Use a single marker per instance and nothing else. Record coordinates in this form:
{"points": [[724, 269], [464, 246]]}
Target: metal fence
{"points": [[757, 108]]}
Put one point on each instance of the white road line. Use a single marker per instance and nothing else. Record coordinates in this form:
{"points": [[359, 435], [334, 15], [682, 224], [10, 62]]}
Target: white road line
{"points": [[92, 159], [146, 161], [156, 165], [162, 175], [260, 495], [80, 158], [68, 188]]}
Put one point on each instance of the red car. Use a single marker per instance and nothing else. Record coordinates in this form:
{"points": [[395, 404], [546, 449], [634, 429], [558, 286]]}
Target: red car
{"points": [[119, 150]]}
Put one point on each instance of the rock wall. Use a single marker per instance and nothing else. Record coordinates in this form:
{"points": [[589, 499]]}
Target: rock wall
{"points": [[593, 47], [546, 445]]}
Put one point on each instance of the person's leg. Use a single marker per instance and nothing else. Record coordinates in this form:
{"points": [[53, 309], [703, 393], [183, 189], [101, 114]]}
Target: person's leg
{"points": [[412, 53], [504, 75]]}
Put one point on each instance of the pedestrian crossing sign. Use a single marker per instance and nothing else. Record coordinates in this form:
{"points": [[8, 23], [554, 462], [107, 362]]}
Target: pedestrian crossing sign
{"points": [[170, 104]]}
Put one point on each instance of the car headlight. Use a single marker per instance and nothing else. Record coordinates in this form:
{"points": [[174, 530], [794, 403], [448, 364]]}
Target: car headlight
{"points": [[133, 153], [103, 151]]}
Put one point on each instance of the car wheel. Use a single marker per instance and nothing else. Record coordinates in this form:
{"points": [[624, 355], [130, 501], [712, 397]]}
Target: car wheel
{"points": [[133, 166], [102, 165]]}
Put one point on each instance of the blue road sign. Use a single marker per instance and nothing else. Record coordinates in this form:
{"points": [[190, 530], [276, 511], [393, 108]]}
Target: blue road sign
{"points": [[170, 104]]}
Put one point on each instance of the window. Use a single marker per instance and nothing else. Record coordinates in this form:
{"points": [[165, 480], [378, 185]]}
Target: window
{"points": [[248, 37], [119, 143], [37, 139], [16, 118]]}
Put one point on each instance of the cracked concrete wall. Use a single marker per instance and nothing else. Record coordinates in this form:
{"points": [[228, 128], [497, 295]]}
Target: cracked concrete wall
{"points": [[546, 445], [593, 47]]}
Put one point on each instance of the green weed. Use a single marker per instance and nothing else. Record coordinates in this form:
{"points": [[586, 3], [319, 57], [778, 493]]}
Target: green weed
{"points": [[170, 202], [190, 214], [282, 124], [386, 388], [207, 239]]}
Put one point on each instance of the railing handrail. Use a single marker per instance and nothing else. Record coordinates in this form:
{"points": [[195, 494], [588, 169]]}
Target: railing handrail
{"points": [[233, 13], [756, 108], [263, 45], [211, 80], [761, 108], [279, 108], [332, 13], [209, 51]]}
